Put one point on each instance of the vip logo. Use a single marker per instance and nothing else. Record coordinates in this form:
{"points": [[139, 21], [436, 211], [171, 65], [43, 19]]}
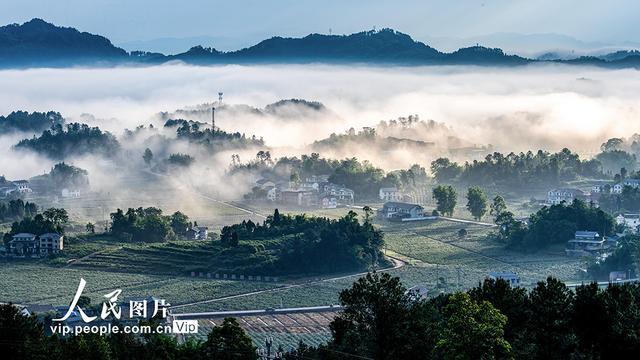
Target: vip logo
{"points": [[185, 326]]}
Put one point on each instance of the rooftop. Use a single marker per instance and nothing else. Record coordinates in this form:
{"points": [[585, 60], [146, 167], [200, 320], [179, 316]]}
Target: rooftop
{"points": [[401, 205], [587, 234]]}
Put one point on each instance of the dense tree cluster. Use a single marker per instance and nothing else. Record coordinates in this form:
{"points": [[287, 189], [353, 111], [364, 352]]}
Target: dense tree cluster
{"points": [[326, 245], [555, 224], [619, 153], [516, 171], [381, 320], [179, 159], [477, 202], [360, 176], [148, 225], [62, 176], [22, 121], [446, 198], [17, 210], [60, 141], [612, 160], [409, 132], [212, 139], [377, 145]]}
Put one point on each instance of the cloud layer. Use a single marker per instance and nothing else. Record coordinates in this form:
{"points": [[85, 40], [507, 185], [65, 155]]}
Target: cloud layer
{"points": [[513, 109]]}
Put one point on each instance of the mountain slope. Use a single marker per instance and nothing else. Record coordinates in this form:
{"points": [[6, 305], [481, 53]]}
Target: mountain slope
{"points": [[37, 41]]}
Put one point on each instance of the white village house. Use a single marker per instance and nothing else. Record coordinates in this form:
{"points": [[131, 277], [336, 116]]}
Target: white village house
{"points": [[19, 186], [314, 191], [633, 183], [557, 196], [328, 202], [393, 210], [390, 194], [342, 194], [70, 193], [30, 245], [51, 243], [22, 186]]}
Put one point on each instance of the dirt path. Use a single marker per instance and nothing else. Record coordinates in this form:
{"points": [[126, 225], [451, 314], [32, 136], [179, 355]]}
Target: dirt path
{"points": [[473, 222]]}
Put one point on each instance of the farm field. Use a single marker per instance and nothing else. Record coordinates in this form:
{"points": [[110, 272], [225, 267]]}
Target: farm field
{"points": [[287, 330], [180, 258], [39, 283], [436, 243], [436, 258]]}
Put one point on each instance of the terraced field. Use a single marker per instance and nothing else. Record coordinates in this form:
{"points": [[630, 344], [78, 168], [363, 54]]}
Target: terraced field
{"points": [[180, 258], [287, 330]]}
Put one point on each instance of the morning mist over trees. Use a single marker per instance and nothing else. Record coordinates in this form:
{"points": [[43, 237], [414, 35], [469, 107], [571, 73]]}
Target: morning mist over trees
{"points": [[296, 180]]}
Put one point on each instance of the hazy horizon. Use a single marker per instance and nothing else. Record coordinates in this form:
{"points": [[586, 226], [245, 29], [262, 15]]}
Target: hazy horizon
{"points": [[545, 25]]}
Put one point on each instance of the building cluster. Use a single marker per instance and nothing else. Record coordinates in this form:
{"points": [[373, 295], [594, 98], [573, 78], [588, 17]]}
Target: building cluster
{"points": [[31, 245], [615, 188], [557, 196], [315, 191], [8, 188], [23, 187], [567, 195]]}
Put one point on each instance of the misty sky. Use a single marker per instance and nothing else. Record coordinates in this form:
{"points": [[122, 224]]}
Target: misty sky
{"points": [[237, 23]]}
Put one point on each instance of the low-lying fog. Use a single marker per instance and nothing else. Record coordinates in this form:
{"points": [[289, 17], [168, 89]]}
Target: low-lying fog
{"points": [[513, 109]]}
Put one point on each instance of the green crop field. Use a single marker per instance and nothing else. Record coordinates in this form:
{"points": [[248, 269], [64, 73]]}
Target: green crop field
{"points": [[437, 258], [40, 283]]}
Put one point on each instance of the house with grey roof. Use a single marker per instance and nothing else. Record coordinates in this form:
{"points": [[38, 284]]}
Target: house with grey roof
{"points": [[400, 211]]}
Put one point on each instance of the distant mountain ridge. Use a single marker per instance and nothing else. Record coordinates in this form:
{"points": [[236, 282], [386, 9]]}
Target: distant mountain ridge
{"points": [[38, 43]]}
